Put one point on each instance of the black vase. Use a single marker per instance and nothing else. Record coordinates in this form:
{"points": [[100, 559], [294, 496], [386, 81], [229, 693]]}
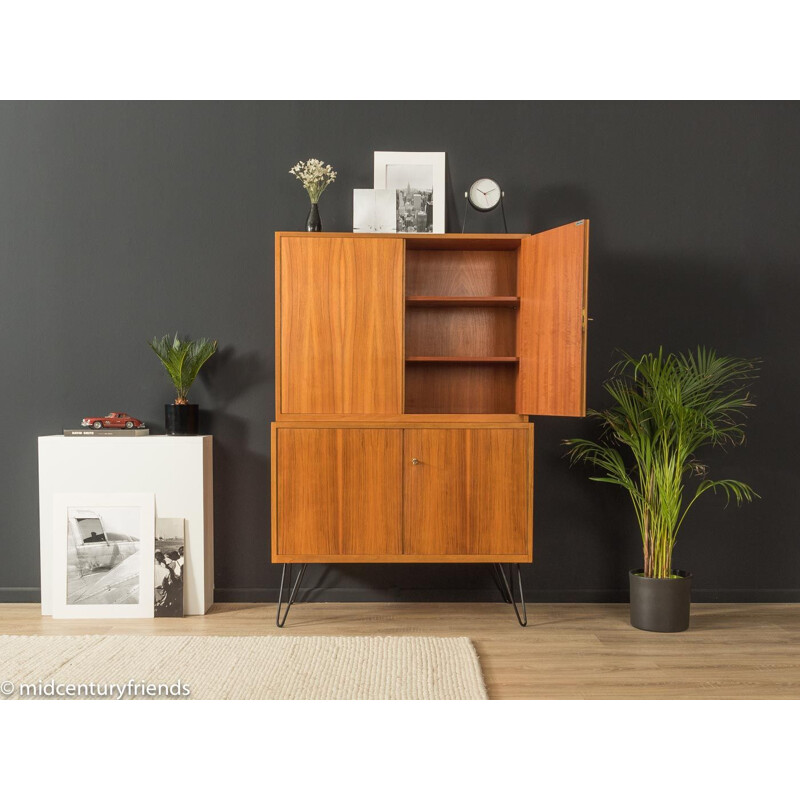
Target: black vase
{"points": [[181, 420], [660, 604], [314, 223]]}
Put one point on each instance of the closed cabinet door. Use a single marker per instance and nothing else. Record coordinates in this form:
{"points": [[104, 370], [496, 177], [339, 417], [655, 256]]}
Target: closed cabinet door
{"points": [[468, 492], [339, 492], [341, 325]]}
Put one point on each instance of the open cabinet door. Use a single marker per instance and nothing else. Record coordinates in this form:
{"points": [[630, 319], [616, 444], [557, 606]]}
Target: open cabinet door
{"points": [[552, 277]]}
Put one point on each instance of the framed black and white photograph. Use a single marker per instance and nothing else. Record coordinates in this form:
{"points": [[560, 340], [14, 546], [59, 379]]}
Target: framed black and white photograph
{"points": [[169, 560], [103, 555], [418, 181], [374, 211]]}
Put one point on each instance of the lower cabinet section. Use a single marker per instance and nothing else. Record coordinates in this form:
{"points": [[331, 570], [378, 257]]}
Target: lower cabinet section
{"points": [[402, 493]]}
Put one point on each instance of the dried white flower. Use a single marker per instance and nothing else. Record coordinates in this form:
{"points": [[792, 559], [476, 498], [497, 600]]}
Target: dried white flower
{"points": [[314, 176]]}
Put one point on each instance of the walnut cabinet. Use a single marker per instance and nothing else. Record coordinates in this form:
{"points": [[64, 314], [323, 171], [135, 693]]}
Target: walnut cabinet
{"points": [[406, 369]]}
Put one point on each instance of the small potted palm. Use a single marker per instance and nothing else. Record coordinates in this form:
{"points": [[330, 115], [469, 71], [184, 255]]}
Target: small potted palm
{"points": [[665, 409], [182, 360]]}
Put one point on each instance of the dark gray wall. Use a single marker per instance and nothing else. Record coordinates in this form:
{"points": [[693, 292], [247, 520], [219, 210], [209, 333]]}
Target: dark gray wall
{"points": [[120, 221]]}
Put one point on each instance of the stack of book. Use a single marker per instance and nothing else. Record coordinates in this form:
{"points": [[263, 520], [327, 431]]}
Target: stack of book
{"points": [[106, 432]]}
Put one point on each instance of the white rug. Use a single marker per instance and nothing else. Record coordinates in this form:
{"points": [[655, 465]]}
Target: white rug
{"points": [[241, 667]]}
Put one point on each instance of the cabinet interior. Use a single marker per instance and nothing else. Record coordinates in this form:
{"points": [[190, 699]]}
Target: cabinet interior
{"points": [[461, 329]]}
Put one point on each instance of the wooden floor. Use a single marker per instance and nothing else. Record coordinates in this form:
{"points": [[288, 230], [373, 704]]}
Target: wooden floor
{"points": [[731, 651]]}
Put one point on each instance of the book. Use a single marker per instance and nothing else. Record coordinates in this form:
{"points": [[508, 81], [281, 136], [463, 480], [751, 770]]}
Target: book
{"points": [[106, 432]]}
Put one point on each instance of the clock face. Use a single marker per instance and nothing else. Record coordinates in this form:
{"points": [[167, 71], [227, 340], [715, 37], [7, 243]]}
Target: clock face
{"points": [[484, 194]]}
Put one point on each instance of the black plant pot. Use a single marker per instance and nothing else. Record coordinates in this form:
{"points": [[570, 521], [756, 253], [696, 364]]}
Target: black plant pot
{"points": [[181, 420], [660, 604]]}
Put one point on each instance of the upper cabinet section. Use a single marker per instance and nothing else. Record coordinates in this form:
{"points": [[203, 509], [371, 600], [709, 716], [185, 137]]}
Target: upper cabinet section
{"points": [[552, 282], [386, 325], [340, 325]]}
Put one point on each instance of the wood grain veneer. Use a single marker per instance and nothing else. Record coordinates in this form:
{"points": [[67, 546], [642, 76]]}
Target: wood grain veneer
{"points": [[469, 492], [403, 558], [393, 347], [340, 311], [467, 331], [341, 493], [428, 241], [462, 359], [401, 421], [461, 273], [436, 302], [465, 242], [410, 421], [338, 492], [551, 328], [460, 388]]}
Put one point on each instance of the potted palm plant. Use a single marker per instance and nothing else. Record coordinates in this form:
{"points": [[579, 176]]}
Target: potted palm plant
{"points": [[182, 360], [665, 409]]}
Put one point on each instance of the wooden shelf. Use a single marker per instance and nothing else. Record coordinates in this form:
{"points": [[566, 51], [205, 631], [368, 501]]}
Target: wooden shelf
{"points": [[462, 242], [462, 359], [433, 301]]}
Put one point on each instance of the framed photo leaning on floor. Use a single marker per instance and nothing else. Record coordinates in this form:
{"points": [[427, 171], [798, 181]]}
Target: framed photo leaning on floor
{"points": [[103, 546], [169, 567]]}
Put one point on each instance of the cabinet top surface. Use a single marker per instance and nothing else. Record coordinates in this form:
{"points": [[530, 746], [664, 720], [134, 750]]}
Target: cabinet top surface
{"points": [[427, 241], [415, 236]]}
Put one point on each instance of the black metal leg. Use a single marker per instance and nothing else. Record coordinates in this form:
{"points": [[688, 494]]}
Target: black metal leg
{"points": [[280, 621], [498, 579], [505, 584], [508, 584]]}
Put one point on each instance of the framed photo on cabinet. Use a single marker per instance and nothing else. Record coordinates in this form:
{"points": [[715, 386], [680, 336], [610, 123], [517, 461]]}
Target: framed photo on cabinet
{"points": [[103, 545], [374, 211], [418, 181]]}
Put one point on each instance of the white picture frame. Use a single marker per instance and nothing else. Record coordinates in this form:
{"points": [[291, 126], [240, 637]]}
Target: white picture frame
{"points": [[397, 171], [99, 582], [374, 211]]}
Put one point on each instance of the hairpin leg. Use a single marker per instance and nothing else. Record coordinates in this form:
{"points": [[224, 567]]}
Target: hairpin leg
{"points": [[509, 592], [498, 580], [280, 621]]}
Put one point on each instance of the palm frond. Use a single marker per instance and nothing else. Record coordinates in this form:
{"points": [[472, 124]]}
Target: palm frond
{"points": [[182, 360], [664, 409]]}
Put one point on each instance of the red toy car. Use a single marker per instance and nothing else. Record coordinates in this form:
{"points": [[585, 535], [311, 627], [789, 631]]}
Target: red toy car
{"points": [[116, 419]]}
